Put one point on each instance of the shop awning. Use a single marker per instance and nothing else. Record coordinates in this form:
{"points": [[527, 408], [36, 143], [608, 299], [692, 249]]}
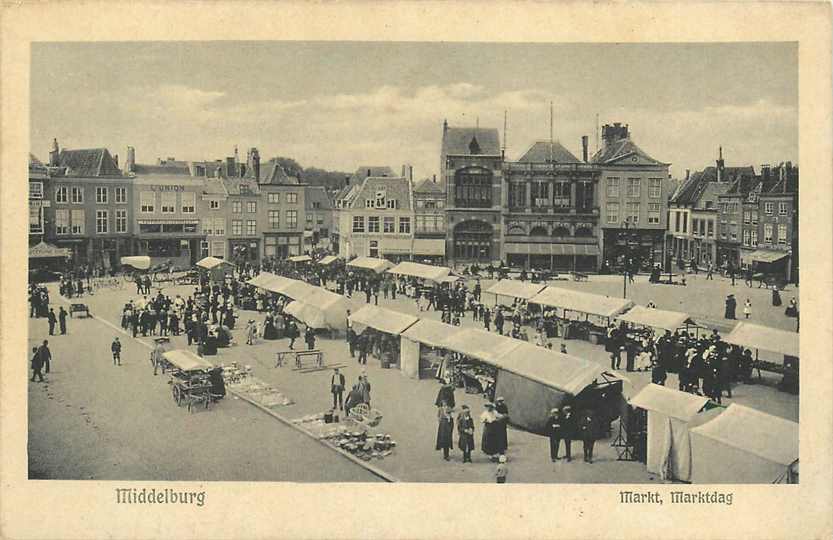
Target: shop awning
{"points": [[482, 345], [43, 250], [656, 318], [592, 304], [371, 263], [329, 259], [210, 263], [430, 332], [429, 246], [384, 320], [139, 262], [763, 256], [300, 258], [680, 405], [764, 338], [422, 271], [748, 430], [186, 360], [537, 248], [563, 372], [515, 288]]}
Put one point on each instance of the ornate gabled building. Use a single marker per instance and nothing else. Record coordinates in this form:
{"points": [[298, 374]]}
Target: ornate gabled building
{"points": [[429, 221]]}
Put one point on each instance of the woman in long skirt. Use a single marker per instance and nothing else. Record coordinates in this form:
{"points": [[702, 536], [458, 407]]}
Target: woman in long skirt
{"points": [[489, 440], [445, 431]]}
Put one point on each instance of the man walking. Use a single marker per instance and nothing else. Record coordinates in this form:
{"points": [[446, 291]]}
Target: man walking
{"points": [[62, 320], [50, 318], [337, 383], [710, 271], [45, 355], [115, 347], [37, 364]]}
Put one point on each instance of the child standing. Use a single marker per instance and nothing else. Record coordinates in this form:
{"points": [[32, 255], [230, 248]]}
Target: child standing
{"points": [[747, 308], [501, 471]]}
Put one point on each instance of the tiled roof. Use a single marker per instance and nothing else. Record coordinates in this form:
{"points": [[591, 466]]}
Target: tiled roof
{"points": [[88, 163], [427, 186], [167, 168], [317, 194], [687, 189], [710, 191], [271, 172], [395, 188], [366, 171], [743, 185], [544, 152], [214, 186], [787, 184], [232, 186], [470, 141], [619, 149]]}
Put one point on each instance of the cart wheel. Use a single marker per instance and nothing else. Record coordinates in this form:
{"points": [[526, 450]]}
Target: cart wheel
{"points": [[177, 394]]}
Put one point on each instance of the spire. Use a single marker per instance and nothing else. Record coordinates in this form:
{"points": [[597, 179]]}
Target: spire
{"points": [[551, 139]]}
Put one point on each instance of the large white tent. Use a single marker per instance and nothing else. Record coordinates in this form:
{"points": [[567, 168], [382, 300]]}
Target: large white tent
{"points": [[656, 318], [764, 338], [515, 289], [262, 279], [743, 446], [300, 258], [581, 302], [670, 413], [384, 320], [480, 344], [422, 271], [306, 314], [370, 263], [321, 308]]}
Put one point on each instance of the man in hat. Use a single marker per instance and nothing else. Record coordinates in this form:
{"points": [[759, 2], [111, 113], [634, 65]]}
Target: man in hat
{"points": [[731, 305], [62, 320], [337, 383], [465, 429], [50, 318], [37, 365], [559, 424], [588, 430], [115, 348]]}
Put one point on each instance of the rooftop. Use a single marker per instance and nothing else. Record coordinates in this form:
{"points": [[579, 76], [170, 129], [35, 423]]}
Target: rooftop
{"points": [[544, 152], [471, 141]]}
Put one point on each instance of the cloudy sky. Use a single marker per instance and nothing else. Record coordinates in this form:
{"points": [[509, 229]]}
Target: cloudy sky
{"points": [[339, 105]]}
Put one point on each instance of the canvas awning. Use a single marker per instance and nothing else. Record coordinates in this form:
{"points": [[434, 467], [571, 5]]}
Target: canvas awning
{"points": [[430, 332], [656, 318], [329, 259], [42, 250], [422, 271], [384, 320], [592, 304], [296, 290], [371, 263], [481, 345], [515, 289], [763, 256], [563, 372], [141, 262], [278, 284], [450, 279], [533, 248], [210, 263], [306, 314], [300, 258], [261, 279], [764, 338], [680, 405], [748, 430], [186, 360]]}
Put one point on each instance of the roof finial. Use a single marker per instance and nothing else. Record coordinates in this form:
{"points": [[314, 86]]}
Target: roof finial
{"points": [[551, 138]]}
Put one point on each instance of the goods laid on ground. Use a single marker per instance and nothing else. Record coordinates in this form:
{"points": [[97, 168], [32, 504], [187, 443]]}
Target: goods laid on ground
{"points": [[362, 445], [260, 392]]}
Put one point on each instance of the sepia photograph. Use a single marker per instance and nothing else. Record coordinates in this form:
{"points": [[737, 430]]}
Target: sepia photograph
{"points": [[416, 270], [469, 271]]}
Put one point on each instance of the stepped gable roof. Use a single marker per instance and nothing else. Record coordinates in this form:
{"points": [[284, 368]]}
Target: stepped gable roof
{"points": [[621, 148], [540, 152], [90, 162], [471, 141]]}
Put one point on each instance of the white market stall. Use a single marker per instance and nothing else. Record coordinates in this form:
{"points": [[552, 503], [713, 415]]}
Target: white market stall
{"points": [[370, 263], [139, 262], [261, 280], [300, 258], [383, 328], [328, 260], [670, 416], [420, 271], [783, 343], [581, 302], [515, 289], [320, 308], [217, 269], [308, 315], [744, 446], [656, 318], [420, 341]]}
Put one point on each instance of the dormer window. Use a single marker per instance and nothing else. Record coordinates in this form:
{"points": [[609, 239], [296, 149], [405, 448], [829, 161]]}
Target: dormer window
{"points": [[474, 146]]}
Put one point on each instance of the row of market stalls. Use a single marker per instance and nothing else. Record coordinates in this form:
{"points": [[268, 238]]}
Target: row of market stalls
{"points": [[531, 379], [691, 439], [314, 306]]}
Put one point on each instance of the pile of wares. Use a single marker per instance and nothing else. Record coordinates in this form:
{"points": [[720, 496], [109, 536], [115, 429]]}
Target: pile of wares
{"points": [[362, 445], [235, 374], [260, 392]]}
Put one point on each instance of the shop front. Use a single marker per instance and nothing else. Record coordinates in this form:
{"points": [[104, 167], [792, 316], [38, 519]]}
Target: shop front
{"points": [[176, 241], [552, 256], [244, 250], [282, 245], [644, 247], [429, 251]]}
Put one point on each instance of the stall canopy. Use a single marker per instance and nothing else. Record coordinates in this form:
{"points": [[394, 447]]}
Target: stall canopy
{"points": [[669, 415], [743, 446], [765, 256], [656, 318], [384, 320], [329, 259], [141, 262], [422, 271], [186, 360], [764, 338], [515, 289], [295, 289], [43, 250], [276, 283], [262, 279], [321, 308], [209, 263], [569, 374], [582, 302], [300, 258], [430, 332], [450, 279], [306, 314], [371, 263], [481, 345]]}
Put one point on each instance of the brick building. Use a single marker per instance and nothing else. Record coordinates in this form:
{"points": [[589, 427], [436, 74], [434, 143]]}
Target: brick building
{"points": [[429, 222]]}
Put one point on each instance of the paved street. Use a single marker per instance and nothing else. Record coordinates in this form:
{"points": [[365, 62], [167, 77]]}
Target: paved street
{"points": [[96, 420]]}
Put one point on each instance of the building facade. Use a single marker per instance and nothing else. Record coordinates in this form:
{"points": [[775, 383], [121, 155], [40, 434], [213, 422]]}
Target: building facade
{"points": [[776, 252], [40, 203], [550, 212], [471, 165], [429, 222], [283, 203], [318, 222], [633, 198]]}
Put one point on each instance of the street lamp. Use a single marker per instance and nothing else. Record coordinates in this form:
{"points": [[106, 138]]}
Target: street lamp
{"points": [[624, 233]]}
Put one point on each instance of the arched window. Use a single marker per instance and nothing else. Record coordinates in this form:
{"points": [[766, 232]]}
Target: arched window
{"points": [[539, 231], [584, 232], [473, 241], [473, 188], [561, 231], [515, 230]]}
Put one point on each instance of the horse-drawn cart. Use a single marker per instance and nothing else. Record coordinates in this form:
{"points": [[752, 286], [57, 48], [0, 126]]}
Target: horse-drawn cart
{"points": [[190, 380]]}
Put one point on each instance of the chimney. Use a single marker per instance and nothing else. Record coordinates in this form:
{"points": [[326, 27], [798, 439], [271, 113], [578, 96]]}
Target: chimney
{"points": [[765, 172], [445, 126], [613, 133], [687, 173], [435, 179], [236, 157], [54, 153], [584, 141], [116, 159], [720, 164], [256, 163], [130, 163], [368, 172], [230, 168]]}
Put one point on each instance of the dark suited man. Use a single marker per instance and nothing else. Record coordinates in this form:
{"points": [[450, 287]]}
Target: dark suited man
{"points": [[45, 355], [559, 424], [50, 318], [587, 432], [62, 320], [337, 383]]}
